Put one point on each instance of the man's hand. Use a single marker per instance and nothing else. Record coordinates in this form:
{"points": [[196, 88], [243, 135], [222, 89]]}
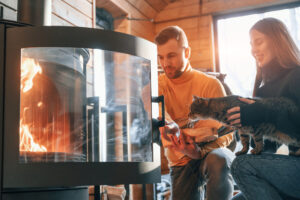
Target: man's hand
{"points": [[190, 149], [171, 128]]}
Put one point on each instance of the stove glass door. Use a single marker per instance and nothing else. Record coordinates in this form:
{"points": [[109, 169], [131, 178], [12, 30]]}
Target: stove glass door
{"points": [[84, 105]]}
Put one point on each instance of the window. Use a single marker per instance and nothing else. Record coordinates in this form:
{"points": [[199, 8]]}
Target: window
{"points": [[235, 57]]}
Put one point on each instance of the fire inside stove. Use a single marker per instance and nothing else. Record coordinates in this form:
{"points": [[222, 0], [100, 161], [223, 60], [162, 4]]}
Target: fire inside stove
{"points": [[51, 125], [74, 110], [28, 72]]}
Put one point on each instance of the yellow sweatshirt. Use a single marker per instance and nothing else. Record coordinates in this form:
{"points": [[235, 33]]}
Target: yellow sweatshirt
{"points": [[178, 94]]}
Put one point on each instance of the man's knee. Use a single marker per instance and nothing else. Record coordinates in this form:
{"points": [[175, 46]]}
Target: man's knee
{"points": [[217, 162], [218, 177]]}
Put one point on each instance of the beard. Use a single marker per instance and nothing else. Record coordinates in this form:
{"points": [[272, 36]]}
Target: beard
{"points": [[173, 72]]}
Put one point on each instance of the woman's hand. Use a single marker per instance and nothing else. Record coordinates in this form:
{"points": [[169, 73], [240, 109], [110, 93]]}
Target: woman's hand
{"points": [[234, 115], [191, 149]]}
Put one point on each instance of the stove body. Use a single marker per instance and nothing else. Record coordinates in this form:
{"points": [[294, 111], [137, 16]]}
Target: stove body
{"points": [[77, 108]]}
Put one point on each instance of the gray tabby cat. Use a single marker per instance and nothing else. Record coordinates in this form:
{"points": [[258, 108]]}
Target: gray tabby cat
{"points": [[216, 108]]}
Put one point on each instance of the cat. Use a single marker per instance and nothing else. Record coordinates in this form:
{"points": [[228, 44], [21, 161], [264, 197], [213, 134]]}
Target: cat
{"points": [[216, 108]]}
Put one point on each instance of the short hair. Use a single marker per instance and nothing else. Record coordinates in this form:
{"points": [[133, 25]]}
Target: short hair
{"points": [[285, 49], [172, 32]]}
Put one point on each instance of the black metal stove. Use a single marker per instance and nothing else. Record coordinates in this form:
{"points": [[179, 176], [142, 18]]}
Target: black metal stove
{"points": [[76, 109]]}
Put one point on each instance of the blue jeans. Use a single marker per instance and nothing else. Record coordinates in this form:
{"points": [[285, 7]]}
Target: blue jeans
{"points": [[214, 170], [267, 176]]}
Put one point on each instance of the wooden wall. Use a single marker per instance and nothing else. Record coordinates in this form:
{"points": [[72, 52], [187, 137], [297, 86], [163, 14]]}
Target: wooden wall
{"points": [[79, 13], [143, 18], [64, 12], [198, 29], [140, 18], [131, 16], [73, 13], [8, 9], [197, 22]]}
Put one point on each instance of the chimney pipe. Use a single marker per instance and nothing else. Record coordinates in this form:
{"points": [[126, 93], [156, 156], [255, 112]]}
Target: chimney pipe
{"points": [[35, 12]]}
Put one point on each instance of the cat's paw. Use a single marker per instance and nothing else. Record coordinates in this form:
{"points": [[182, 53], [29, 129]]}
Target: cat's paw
{"points": [[297, 153], [255, 151], [240, 153]]}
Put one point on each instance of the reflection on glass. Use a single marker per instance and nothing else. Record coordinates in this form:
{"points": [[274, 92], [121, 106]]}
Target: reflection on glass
{"points": [[121, 83], [84, 105]]}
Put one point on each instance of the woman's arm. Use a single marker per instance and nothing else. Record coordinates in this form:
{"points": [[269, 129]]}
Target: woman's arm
{"points": [[234, 114], [254, 113]]}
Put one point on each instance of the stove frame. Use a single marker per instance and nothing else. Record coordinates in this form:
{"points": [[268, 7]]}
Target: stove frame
{"points": [[41, 175]]}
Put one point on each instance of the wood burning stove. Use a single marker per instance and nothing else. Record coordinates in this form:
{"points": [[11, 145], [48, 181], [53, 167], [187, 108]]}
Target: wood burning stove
{"points": [[76, 108]]}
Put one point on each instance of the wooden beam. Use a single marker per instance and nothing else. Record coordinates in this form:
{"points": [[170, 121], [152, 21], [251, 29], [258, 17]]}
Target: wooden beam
{"points": [[126, 7], [158, 5], [144, 8], [177, 10], [181, 4], [139, 22], [112, 8]]}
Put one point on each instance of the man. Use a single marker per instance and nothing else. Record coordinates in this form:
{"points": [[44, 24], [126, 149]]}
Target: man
{"points": [[191, 166]]}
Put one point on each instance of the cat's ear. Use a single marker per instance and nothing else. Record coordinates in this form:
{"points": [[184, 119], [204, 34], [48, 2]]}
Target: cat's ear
{"points": [[203, 101], [195, 98], [199, 100]]}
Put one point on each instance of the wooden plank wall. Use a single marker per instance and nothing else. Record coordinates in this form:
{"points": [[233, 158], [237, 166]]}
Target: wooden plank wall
{"points": [[73, 13], [197, 22], [198, 29], [136, 17], [8, 9], [131, 16], [79, 13]]}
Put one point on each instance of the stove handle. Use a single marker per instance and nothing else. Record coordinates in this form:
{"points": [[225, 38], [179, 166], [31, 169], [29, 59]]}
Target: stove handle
{"points": [[158, 123], [160, 99]]}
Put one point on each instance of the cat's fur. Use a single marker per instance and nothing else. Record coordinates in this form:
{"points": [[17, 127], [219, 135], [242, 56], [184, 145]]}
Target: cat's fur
{"points": [[216, 108]]}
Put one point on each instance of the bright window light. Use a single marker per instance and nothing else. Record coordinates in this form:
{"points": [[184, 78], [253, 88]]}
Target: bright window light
{"points": [[234, 47]]}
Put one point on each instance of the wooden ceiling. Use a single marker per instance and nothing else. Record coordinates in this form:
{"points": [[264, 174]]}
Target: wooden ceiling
{"points": [[147, 9], [154, 10], [159, 5]]}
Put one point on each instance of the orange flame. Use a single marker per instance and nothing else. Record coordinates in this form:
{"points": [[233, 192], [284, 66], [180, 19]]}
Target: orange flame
{"points": [[29, 70], [27, 142]]}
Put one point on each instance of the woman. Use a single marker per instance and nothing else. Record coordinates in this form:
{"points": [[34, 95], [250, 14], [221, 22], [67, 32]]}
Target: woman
{"points": [[270, 176]]}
